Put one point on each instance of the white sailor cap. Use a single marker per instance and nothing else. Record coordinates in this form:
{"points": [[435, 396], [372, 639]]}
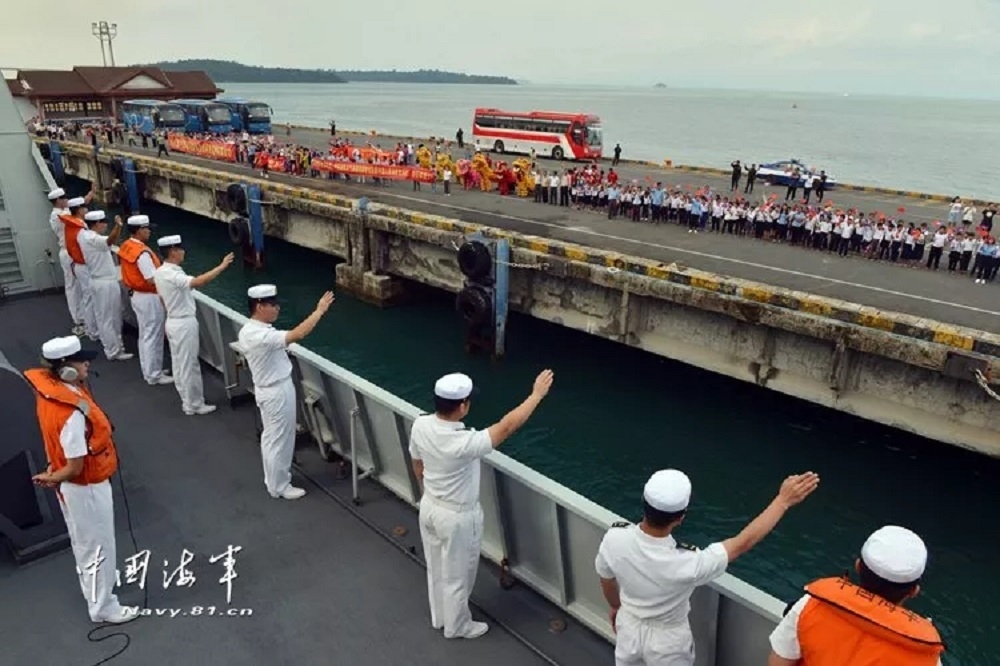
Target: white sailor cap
{"points": [[455, 386], [58, 193], [68, 347], [95, 216], [138, 221], [895, 554], [76, 201], [668, 490], [259, 291], [168, 241]]}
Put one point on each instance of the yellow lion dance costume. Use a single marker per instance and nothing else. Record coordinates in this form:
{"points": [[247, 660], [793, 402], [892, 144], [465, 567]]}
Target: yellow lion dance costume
{"points": [[424, 157], [444, 161], [525, 179], [486, 175]]}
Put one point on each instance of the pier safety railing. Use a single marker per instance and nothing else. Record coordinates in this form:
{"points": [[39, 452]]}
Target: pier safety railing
{"points": [[547, 534]]}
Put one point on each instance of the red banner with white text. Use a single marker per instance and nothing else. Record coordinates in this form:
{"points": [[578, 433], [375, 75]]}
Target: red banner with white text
{"points": [[208, 148], [387, 171]]}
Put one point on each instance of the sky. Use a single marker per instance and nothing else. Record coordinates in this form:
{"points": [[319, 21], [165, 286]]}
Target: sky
{"points": [[938, 48]]}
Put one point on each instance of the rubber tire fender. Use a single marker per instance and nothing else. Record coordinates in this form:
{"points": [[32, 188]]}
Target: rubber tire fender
{"points": [[236, 196], [475, 260], [239, 230], [475, 305], [118, 168]]}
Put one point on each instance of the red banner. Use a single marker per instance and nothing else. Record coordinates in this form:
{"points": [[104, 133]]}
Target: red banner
{"points": [[207, 148], [274, 162], [387, 171]]}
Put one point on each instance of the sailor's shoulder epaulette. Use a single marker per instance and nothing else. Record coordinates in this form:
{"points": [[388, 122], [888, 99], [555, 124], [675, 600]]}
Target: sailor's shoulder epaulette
{"points": [[621, 523]]}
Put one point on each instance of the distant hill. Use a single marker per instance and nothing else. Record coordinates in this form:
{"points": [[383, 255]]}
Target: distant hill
{"points": [[226, 71]]}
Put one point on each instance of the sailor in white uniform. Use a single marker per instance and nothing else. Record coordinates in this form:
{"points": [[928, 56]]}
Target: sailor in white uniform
{"points": [[265, 349], [647, 577], [174, 287], [81, 275], [445, 456], [60, 206], [105, 289]]}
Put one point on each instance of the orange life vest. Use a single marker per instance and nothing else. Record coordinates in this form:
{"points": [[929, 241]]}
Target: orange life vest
{"points": [[55, 404], [129, 254], [73, 227], [845, 624]]}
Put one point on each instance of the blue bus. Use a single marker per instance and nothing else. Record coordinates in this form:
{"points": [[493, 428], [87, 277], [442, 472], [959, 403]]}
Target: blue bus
{"points": [[206, 116], [147, 115], [248, 114]]}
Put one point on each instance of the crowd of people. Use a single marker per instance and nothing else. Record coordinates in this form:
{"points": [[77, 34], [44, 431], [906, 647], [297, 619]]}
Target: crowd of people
{"points": [[962, 243]]}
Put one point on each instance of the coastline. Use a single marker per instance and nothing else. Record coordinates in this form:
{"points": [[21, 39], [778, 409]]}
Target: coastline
{"points": [[689, 168]]}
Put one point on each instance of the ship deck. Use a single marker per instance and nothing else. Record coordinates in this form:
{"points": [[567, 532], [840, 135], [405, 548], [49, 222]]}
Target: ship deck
{"points": [[919, 292], [325, 581]]}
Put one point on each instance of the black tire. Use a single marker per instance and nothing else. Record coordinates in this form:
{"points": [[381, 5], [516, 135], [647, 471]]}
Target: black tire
{"points": [[239, 231], [475, 305], [557, 153], [46, 152], [236, 196], [498, 147], [475, 261], [118, 168]]}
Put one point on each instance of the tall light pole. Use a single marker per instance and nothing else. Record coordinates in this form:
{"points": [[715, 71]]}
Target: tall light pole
{"points": [[103, 32]]}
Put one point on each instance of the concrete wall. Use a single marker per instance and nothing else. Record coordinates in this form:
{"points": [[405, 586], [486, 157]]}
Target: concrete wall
{"points": [[910, 373], [25, 210]]}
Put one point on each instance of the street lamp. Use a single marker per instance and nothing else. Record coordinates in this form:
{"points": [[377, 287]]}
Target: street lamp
{"points": [[103, 32]]}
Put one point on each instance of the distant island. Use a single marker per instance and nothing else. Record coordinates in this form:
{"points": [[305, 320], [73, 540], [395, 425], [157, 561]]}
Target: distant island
{"points": [[226, 71]]}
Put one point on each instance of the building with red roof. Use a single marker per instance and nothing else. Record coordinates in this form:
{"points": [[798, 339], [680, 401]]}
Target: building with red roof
{"points": [[96, 92]]}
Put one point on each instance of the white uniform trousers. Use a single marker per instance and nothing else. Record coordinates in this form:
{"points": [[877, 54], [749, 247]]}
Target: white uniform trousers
{"points": [[277, 438], [72, 287], [150, 317], [86, 305], [90, 520], [107, 294], [182, 334], [651, 642], [451, 536]]}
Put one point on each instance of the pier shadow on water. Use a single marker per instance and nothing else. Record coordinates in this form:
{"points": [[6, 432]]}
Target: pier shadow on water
{"points": [[617, 414]]}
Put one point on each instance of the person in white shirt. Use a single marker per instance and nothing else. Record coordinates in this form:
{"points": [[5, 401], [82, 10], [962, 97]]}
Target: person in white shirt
{"points": [[445, 457], [60, 206], [73, 225], [174, 287], [105, 290], [265, 349], [648, 578], [446, 179]]}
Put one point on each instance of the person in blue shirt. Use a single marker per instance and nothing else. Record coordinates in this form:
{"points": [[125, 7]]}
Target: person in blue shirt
{"points": [[986, 261], [695, 218], [613, 194], [657, 198]]}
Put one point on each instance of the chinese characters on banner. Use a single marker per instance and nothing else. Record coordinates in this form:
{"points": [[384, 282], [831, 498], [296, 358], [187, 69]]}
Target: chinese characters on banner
{"points": [[137, 570], [387, 171], [212, 149]]}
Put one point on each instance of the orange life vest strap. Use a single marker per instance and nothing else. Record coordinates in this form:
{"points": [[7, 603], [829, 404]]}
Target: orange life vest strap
{"points": [[844, 595]]}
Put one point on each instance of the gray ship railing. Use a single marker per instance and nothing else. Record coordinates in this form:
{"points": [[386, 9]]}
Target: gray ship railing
{"points": [[547, 534]]}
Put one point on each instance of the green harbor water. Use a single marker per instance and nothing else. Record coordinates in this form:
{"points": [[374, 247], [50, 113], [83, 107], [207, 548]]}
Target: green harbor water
{"points": [[617, 414]]}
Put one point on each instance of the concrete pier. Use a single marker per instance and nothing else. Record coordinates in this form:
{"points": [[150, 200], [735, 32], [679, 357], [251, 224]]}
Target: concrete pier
{"points": [[892, 345]]}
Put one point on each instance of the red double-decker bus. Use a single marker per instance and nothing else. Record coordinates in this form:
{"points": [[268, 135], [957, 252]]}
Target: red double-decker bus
{"points": [[560, 136]]}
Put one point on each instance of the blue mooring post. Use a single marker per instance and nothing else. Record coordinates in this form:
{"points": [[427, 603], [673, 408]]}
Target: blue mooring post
{"points": [[55, 156], [255, 212], [131, 185], [501, 269]]}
